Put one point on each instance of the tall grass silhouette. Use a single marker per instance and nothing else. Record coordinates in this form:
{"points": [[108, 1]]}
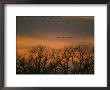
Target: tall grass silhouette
{"points": [[67, 60]]}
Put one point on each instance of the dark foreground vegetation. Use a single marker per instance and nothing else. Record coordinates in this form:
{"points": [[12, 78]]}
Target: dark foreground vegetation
{"points": [[44, 60]]}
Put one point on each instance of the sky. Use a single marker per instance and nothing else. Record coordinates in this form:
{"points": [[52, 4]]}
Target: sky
{"points": [[54, 31]]}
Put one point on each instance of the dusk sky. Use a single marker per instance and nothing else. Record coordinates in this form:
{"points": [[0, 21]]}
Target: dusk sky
{"points": [[34, 30]]}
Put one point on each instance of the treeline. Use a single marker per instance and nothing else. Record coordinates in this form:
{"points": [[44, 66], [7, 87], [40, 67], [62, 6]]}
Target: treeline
{"points": [[68, 60]]}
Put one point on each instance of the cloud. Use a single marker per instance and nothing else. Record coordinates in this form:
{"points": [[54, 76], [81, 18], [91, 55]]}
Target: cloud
{"points": [[37, 26]]}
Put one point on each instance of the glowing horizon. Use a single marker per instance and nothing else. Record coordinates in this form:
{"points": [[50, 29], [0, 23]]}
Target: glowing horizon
{"points": [[26, 43]]}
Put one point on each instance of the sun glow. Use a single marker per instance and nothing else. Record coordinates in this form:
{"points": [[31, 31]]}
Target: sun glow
{"points": [[25, 43]]}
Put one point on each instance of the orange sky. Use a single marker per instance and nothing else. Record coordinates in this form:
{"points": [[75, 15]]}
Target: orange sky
{"points": [[26, 43], [34, 30]]}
